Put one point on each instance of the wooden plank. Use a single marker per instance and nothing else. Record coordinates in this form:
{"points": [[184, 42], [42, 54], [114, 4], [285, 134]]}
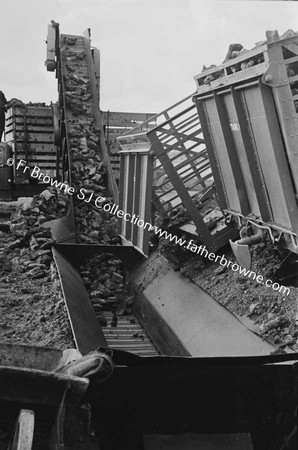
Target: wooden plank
{"points": [[291, 60], [42, 165], [293, 79], [35, 147], [292, 47], [47, 121], [242, 57], [16, 384], [34, 137], [30, 111], [227, 80], [39, 129], [37, 157], [22, 438]]}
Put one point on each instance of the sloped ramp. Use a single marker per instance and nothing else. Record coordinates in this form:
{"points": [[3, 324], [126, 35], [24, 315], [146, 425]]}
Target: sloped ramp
{"points": [[173, 308]]}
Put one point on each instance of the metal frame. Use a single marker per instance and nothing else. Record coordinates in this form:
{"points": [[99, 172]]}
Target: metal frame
{"points": [[136, 176], [269, 157], [181, 167]]}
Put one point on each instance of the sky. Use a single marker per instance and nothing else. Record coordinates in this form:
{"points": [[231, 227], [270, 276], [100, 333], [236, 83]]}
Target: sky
{"points": [[150, 49]]}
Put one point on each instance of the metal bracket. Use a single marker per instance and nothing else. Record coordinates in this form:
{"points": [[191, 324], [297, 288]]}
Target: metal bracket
{"points": [[275, 75]]}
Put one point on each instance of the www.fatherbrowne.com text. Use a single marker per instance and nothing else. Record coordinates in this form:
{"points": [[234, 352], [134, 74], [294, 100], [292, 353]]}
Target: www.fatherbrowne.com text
{"points": [[112, 208]]}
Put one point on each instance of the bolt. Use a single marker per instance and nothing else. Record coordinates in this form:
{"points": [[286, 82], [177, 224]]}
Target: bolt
{"points": [[268, 78]]}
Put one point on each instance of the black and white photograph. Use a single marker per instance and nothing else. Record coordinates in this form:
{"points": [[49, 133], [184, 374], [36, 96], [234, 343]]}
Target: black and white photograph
{"points": [[149, 225]]}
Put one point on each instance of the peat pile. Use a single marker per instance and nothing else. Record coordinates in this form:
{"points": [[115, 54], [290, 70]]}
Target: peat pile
{"points": [[32, 309], [32, 239]]}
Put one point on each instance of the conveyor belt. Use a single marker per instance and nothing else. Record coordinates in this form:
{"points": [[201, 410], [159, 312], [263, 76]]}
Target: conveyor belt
{"points": [[128, 334], [198, 326]]}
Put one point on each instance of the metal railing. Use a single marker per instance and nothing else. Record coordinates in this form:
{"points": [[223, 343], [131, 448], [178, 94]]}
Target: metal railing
{"points": [[181, 168]]}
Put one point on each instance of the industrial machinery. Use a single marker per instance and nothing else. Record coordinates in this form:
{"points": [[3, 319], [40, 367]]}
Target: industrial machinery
{"points": [[29, 136], [246, 133], [249, 121], [189, 340], [187, 373], [176, 145]]}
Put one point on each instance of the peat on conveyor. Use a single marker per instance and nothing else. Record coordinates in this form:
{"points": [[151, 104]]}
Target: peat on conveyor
{"points": [[88, 172], [104, 275]]}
